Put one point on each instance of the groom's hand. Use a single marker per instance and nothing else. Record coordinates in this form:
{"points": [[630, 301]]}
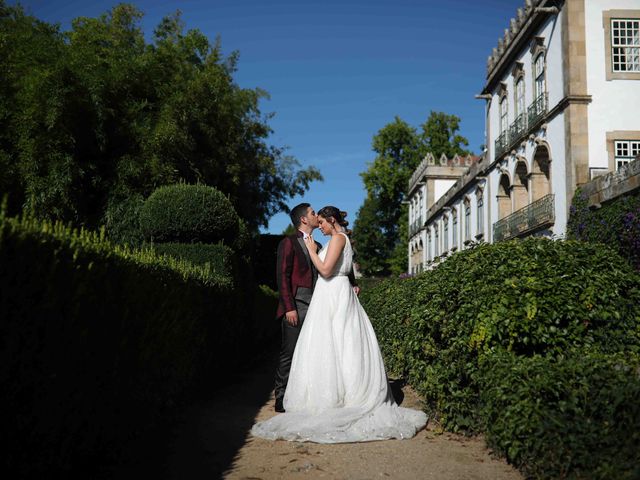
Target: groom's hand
{"points": [[292, 318]]}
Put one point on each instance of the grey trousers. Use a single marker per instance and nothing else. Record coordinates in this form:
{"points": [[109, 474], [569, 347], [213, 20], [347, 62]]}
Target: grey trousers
{"points": [[289, 339]]}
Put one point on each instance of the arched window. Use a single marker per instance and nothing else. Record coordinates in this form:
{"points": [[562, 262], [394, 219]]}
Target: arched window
{"points": [[445, 233], [504, 115], [429, 257], [454, 230], [467, 220], [520, 102], [504, 197], [538, 73], [436, 240], [480, 208]]}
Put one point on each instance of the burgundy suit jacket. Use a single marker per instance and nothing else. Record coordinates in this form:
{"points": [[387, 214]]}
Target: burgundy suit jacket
{"points": [[293, 270]]}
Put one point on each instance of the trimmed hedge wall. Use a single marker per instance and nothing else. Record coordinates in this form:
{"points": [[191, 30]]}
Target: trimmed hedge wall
{"points": [[530, 298], [616, 223], [220, 258], [98, 340], [565, 417]]}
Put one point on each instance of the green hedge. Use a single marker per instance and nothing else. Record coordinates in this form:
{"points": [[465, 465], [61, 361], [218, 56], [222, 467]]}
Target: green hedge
{"points": [[190, 214], [219, 258], [616, 223], [99, 341], [527, 299], [565, 417]]}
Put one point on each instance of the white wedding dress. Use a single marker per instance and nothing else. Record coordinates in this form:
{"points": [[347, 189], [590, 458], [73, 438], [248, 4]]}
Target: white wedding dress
{"points": [[338, 390]]}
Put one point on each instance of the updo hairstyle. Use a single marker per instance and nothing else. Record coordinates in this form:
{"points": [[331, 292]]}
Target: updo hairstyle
{"points": [[338, 215]]}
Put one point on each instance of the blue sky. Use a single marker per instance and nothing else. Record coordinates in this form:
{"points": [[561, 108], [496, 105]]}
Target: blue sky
{"points": [[338, 71]]}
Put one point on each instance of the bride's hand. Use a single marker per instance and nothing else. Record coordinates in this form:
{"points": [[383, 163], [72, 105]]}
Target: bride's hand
{"points": [[311, 244]]}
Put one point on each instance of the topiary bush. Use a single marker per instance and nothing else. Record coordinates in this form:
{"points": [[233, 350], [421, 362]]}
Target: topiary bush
{"points": [[191, 214], [530, 297], [574, 416]]}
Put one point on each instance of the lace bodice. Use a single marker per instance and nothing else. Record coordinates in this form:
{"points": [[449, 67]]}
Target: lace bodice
{"points": [[344, 264]]}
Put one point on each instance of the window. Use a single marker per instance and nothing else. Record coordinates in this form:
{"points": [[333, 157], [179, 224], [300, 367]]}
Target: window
{"points": [[504, 118], [625, 152], [480, 226], [436, 240], [467, 220], [429, 247], [520, 107], [538, 72], [445, 235], [454, 221], [625, 45]]}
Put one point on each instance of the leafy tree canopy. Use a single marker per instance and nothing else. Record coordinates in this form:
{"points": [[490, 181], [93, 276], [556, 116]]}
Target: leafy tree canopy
{"points": [[380, 231], [94, 119]]}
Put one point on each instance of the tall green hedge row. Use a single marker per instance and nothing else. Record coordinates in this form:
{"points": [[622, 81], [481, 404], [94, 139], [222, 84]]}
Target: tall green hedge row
{"points": [[575, 416], [98, 341], [219, 258], [531, 298]]}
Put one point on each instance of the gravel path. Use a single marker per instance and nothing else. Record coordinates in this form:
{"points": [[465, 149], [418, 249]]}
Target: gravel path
{"points": [[211, 440]]}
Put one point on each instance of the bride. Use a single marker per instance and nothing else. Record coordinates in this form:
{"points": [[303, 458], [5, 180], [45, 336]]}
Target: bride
{"points": [[338, 389]]}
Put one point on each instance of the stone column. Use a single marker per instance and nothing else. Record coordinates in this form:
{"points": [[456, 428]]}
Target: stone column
{"points": [[574, 66]]}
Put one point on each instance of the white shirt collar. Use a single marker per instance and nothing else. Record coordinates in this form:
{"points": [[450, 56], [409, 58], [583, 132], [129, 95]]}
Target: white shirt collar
{"points": [[305, 235]]}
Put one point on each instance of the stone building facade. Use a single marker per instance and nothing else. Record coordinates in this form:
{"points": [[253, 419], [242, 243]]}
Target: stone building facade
{"points": [[562, 92]]}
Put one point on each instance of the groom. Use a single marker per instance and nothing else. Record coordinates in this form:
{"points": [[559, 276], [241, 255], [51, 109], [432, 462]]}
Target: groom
{"points": [[296, 277]]}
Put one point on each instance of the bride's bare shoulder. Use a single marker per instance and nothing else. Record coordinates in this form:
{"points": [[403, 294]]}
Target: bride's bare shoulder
{"points": [[339, 240]]}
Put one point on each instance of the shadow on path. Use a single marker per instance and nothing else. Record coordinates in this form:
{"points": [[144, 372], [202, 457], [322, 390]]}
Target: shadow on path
{"points": [[204, 438], [396, 386]]}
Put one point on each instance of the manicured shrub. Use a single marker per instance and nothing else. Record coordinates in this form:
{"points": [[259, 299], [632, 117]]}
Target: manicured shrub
{"points": [[530, 297], [616, 223], [100, 341], [564, 417], [220, 258], [388, 303], [190, 214]]}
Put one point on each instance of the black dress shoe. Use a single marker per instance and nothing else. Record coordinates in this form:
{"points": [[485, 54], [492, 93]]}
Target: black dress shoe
{"points": [[279, 406]]}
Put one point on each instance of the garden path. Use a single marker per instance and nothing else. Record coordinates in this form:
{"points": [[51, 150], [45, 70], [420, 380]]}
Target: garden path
{"points": [[211, 440]]}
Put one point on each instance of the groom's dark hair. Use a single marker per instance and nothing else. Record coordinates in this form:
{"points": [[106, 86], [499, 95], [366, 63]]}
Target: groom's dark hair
{"points": [[297, 212]]}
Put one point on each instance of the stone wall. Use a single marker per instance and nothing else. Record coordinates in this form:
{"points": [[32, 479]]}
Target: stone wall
{"points": [[612, 185]]}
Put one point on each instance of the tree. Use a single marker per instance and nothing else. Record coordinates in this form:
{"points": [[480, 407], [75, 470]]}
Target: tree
{"points": [[439, 135], [369, 239], [381, 231], [99, 118], [289, 230], [376, 230]]}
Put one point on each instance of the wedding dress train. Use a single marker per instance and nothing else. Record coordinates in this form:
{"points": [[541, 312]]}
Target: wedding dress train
{"points": [[338, 389]]}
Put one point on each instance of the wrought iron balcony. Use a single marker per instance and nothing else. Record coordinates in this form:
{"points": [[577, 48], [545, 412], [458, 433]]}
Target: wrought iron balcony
{"points": [[534, 216], [518, 128], [537, 109], [501, 144], [414, 227]]}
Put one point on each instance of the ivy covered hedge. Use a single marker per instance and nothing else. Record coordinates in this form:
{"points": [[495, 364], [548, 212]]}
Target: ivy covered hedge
{"points": [[616, 223], [575, 416], [530, 298], [99, 340]]}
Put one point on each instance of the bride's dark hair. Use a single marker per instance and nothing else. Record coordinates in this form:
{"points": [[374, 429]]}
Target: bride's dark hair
{"points": [[337, 215]]}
